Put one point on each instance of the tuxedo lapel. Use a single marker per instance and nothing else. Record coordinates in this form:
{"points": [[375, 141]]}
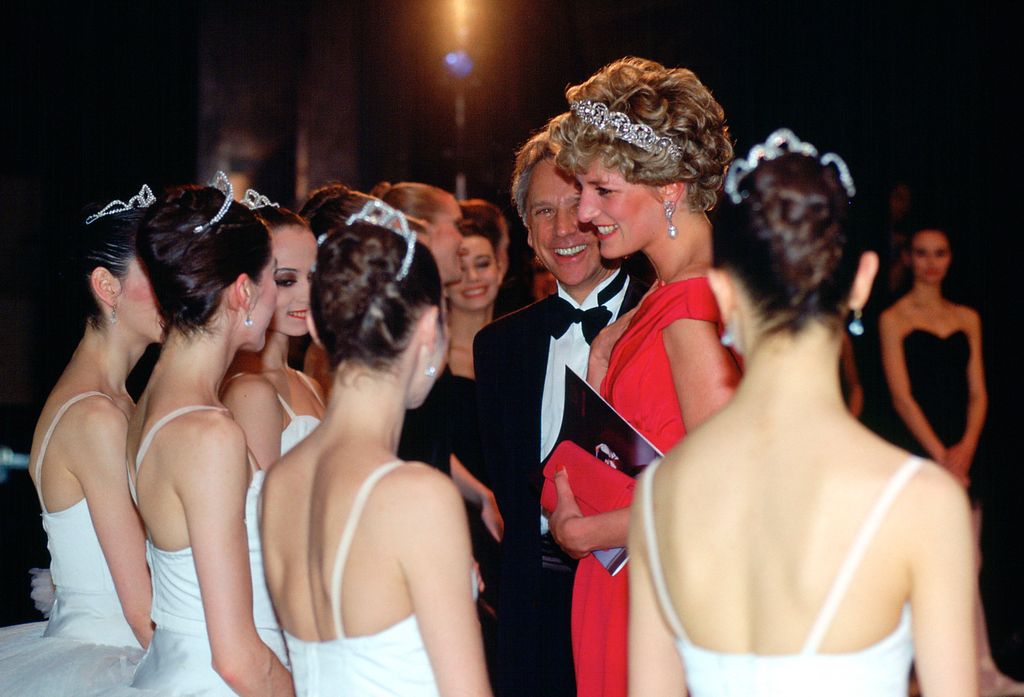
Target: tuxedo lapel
{"points": [[634, 293]]}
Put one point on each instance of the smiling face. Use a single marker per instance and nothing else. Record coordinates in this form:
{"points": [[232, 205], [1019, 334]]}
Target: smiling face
{"points": [[930, 256], [565, 248], [294, 247], [627, 216], [481, 276]]}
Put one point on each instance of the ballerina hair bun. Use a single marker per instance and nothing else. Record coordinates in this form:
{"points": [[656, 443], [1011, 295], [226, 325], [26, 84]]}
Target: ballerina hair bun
{"points": [[785, 234], [363, 308], [194, 243]]}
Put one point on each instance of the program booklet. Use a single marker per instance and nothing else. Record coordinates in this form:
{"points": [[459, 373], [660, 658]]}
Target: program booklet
{"points": [[591, 423]]}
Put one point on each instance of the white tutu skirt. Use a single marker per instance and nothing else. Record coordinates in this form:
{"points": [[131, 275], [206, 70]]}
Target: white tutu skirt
{"points": [[31, 664]]}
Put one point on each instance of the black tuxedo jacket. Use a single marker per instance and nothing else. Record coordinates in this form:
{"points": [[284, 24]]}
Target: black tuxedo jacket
{"points": [[510, 359]]}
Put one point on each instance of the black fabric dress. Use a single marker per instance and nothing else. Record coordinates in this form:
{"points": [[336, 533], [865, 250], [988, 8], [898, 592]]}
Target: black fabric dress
{"points": [[937, 368]]}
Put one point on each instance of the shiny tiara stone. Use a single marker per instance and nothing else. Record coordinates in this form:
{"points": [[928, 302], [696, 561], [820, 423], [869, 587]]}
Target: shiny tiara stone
{"points": [[376, 212], [620, 126], [782, 142], [254, 199], [143, 199]]}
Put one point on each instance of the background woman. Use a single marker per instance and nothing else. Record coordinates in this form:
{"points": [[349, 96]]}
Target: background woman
{"points": [[646, 192], [274, 404], [368, 558], [95, 537], [209, 260], [823, 540], [931, 351]]}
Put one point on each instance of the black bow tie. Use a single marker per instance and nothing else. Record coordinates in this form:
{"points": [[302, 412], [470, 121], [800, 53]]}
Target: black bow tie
{"points": [[592, 321]]}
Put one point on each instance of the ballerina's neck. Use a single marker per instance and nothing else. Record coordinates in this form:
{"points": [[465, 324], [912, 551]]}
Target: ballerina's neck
{"points": [[785, 368]]}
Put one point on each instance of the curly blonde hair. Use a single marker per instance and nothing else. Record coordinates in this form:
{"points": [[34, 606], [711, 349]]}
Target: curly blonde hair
{"points": [[671, 101]]}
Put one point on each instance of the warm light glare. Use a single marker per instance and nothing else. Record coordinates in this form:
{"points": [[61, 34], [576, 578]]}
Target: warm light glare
{"points": [[460, 11]]}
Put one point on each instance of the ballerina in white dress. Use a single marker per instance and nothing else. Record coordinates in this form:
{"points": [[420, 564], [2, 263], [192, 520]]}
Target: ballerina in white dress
{"points": [[275, 405], [367, 557], [211, 267], [99, 622], [783, 549]]}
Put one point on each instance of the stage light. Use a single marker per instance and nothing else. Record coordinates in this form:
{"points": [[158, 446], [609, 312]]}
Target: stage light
{"points": [[458, 63]]}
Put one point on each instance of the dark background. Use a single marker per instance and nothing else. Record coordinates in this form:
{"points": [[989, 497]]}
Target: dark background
{"points": [[99, 97]]}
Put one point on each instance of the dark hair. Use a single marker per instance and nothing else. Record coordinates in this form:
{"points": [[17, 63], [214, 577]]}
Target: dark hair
{"points": [[274, 217], [788, 244], [483, 218], [107, 242], [362, 313], [189, 271], [330, 206]]}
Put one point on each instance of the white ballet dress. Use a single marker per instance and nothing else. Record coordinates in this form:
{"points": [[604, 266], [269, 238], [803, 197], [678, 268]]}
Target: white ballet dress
{"points": [[299, 425], [880, 670], [179, 660], [87, 645], [390, 663]]}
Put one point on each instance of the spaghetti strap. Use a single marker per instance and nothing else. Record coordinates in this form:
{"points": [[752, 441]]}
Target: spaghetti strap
{"points": [[49, 433], [853, 557], [147, 440], [287, 408], [365, 489], [653, 556], [309, 383]]}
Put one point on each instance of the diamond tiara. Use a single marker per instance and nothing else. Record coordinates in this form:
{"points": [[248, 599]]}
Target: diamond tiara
{"points": [[254, 199], [376, 212], [143, 199], [620, 126], [782, 142], [220, 182]]}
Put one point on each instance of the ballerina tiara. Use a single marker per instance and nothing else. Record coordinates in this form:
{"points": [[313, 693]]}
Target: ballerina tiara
{"points": [[143, 199], [620, 126], [376, 212], [254, 199], [220, 182], [782, 142]]}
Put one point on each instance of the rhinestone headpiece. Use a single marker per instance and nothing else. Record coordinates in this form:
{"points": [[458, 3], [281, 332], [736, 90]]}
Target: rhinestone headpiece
{"points": [[378, 213], [620, 126], [143, 199], [779, 143], [220, 182], [254, 199]]}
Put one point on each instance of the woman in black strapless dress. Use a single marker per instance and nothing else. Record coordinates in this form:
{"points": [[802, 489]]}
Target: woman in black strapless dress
{"points": [[931, 351]]}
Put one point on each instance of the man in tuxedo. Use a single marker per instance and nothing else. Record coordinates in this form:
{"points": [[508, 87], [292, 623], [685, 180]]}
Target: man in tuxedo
{"points": [[520, 373]]}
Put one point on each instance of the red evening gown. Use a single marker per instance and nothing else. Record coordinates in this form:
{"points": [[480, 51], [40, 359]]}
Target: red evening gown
{"points": [[639, 385]]}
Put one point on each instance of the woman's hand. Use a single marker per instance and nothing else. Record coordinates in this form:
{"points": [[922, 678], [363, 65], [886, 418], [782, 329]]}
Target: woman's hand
{"points": [[567, 512], [958, 460]]}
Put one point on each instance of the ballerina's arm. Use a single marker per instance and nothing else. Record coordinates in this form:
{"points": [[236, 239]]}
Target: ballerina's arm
{"points": [[99, 467], [943, 585], [253, 403], [213, 498], [654, 665], [437, 561]]}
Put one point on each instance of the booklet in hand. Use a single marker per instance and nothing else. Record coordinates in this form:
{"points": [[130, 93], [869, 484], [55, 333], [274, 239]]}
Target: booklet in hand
{"points": [[601, 452]]}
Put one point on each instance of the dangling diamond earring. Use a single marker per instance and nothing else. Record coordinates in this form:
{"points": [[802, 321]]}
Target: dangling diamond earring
{"points": [[113, 315], [431, 371], [248, 320], [727, 338], [855, 326], [670, 208]]}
